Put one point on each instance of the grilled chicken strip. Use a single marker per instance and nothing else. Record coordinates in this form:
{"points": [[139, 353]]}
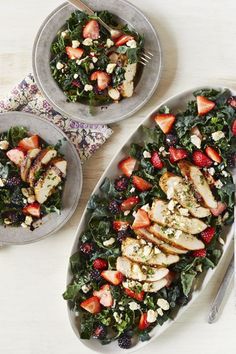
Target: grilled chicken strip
{"points": [[43, 158], [138, 271], [177, 188], [195, 176], [145, 254], [176, 238], [151, 287], [27, 162], [165, 247], [160, 214], [61, 164], [46, 184]]}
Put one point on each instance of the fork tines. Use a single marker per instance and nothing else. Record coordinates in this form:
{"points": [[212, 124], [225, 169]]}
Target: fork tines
{"points": [[145, 57]]}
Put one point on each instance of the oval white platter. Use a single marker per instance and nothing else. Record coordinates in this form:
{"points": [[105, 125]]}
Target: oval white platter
{"points": [[175, 103]]}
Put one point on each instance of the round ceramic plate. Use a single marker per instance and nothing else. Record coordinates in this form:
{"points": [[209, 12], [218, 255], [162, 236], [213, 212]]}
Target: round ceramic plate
{"points": [[73, 185], [148, 80]]}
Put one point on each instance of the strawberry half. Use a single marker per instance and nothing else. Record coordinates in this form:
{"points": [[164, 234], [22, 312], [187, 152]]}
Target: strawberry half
{"points": [[129, 203], [74, 53], [232, 101], [177, 154], [233, 128], [127, 166], [200, 159], [113, 276], [134, 295], [123, 39], [119, 225], [104, 294], [141, 184], [156, 161], [219, 209], [141, 220], [100, 264], [29, 143], [16, 156], [32, 209], [165, 122], [143, 323], [102, 78], [213, 154], [208, 234], [91, 305], [91, 30], [199, 253], [204, 105]]}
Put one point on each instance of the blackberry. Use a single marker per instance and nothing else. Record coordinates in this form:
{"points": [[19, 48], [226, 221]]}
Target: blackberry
{"points": [[95, 275], [86, 248], [15, 216], [114, 207], [124, 342], [122, 234], [13, 181], [231, 160], [171, 139], [121, 184], [182, 300], [17, 197], [100, 332]]}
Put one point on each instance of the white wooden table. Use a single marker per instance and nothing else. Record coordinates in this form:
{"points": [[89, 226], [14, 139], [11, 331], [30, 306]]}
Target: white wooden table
{"points": [[198, 40]]}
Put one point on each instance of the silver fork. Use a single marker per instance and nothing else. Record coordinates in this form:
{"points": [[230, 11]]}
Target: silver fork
{"points": [[144, 58]]}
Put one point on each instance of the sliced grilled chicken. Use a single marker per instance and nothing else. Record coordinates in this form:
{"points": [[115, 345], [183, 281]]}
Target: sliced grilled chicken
{"points": [[130, 72], [165, 247], [43, 158], [61, 164], [27, 162], [138, 271], [46, 184], [176, 237], [161, 214], [127, 89], [155, 286], [181, 191], [195, 176], [145, 254]]}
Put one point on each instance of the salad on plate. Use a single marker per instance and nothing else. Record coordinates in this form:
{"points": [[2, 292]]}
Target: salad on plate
{"points": [[153, 230]]}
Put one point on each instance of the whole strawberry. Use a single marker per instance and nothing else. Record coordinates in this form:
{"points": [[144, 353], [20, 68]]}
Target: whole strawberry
{"points": [[208, 234]]}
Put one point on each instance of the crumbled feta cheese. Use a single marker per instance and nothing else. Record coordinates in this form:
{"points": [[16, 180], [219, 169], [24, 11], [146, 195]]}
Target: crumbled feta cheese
{"points": [[157, 250], [94, 59], [76, 76], [117, 317], [225, 217], [91, 66], [88, 87], [121, 308], [222, 167], [146, 154], [218, 135], [28, 220], [162, 148], [146, 208], [224, 173], [75, 44], [163, 304], [221, 241], [183, 212], [147, 250], [109, 43], [59, 65], [160, 312], [126, 212], [132, 43], [85, 288], [151, 316], [88, 41], [171, 205], [31, 199], [143, 242], [134, 213], [110, 68], [211, 170], [23, 224], [7, 221], [178, 233], [218, 184], [132, 190], [2, 184], [134, 306], [64, 33], [195, 140], [109, 242], [4, 145], [199, 268]]}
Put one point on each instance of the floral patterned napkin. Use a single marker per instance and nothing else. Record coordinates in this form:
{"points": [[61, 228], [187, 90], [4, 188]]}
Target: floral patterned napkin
{"points": [[26, 96]]}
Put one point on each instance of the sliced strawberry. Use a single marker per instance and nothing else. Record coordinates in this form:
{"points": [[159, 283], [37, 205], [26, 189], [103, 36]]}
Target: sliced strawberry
{"points": [[199, 253], [200, 159], [100, 264], [123, 39], [208, 234], [141, 184], [32, 209], [129, 203], [156, 161], [233, 128], [102, 78], [104, 294], [219, 209], [213, 154], [232, 101], [196, 131], [204, 105], [91, 305], [74, 53], [29, 143], [177, 154], [143, 323], [113, 276], [127, 165], [119, 225], [141, 220], [137, 296], [16, 155], [165, 122], [91, 30]]}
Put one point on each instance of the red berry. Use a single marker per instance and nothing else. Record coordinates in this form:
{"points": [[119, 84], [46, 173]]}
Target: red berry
{"points": [[234, 128], [201, 160], [119, 225], [199, 253], [213, 154], [141, 220], [129, 203], [137, 296], [143, 322], [29, 143], [141, 184], [204, 105], [208, 234], [86, 248], [232, 101], [156, 161], [165, 122], [91, 30], [123, 39], [91, 305], [102, 79], [127, 165], [219, 209], [177, 154], [100, 264]]}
